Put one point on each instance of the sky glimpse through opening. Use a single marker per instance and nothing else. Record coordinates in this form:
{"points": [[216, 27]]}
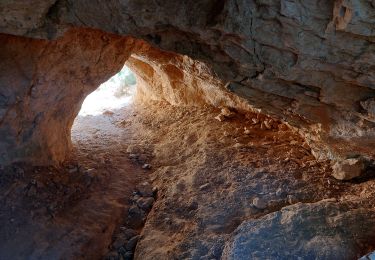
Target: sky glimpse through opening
{"points": [[115, 93]]}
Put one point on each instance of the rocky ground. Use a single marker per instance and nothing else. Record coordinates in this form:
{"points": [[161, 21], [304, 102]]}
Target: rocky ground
{"points": [[239, 189], [154, 181]]}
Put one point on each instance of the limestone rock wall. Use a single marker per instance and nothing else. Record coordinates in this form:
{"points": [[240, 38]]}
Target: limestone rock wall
{"points": [[42, 86], [178, 80], [311, 63]]}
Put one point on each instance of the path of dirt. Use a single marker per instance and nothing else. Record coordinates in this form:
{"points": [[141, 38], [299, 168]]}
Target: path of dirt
{"points": [[70, 212], [211, 176]]}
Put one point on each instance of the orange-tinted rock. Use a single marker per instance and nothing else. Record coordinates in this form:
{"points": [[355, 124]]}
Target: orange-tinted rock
{"points": [[310, 63]]}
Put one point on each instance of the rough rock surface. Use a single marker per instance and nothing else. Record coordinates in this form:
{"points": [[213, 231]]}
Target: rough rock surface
{"points": [[311, 63], [322, 230], [348, 169], [209, 173], [42, 86]]}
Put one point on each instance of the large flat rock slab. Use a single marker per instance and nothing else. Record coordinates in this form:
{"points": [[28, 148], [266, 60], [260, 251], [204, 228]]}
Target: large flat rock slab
{"points": [[322, 230]]}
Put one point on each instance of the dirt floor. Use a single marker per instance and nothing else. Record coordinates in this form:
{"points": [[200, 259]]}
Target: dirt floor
{"points": [[203, 176]]}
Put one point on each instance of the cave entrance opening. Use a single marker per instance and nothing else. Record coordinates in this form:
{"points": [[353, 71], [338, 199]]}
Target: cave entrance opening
{"points": [[98, 119], [115, 93]]}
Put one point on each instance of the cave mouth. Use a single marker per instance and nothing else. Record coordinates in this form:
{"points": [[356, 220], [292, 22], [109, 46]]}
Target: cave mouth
{"points": [[117, 92]]}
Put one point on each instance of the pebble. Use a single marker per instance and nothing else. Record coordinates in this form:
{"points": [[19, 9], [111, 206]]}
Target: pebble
{"points": [[133, 156], [259, 203], [220, 117], [168, 221], [145, 203], [146, 166], [120, 241], [145, 190], [130, 246], [128, 232], [267, 124], [279, 192], [136, 217], [227, 113], [348, 169], [204, 186], [134, 211]]}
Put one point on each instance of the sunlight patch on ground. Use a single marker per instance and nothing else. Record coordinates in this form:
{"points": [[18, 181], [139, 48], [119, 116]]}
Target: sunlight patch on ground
{"points": [[115, 93]]}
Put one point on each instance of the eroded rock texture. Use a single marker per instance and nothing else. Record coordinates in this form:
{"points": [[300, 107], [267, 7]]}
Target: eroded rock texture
{"points": [[311, 63], [42, 86], [321, 230], [178, 79]]}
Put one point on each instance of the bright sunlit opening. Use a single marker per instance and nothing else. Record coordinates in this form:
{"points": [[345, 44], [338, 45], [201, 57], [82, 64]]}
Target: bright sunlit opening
{"points": [[115, 93]]}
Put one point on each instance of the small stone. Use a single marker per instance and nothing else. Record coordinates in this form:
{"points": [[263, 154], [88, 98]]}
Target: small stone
{"points": [[227, 113], [130, 246], [279, 192], [259, 203], [267, 124], [133, 156], [108, 113], [128, 232], [246, 131], [348, 169], [145, 203], [146, 166], [136, 217], [72, 168], [120, 241], [204, 186], [136, 197], [220, 117], [134, 210], [145, 190]]}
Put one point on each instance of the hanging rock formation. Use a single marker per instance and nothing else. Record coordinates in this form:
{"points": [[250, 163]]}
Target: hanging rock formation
{"points": [[311, 63]]}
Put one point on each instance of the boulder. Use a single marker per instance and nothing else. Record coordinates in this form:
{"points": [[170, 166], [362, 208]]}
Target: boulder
{"points": [[321, 230], [348, 169]]}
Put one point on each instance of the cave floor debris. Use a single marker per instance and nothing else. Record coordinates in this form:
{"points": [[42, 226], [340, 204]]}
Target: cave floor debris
{"points": [[213, 179]]}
